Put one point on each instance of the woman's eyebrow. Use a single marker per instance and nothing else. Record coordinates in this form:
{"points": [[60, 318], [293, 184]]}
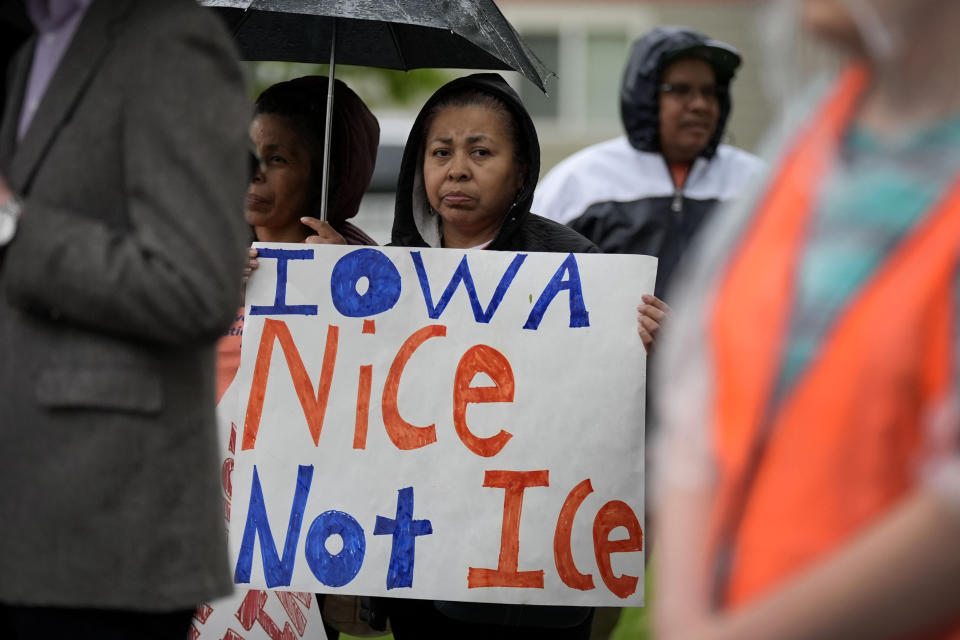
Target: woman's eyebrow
{"points": [[479, 137]]}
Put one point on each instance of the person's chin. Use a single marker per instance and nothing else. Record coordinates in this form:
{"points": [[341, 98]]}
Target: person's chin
{"points": [[256, 218]]}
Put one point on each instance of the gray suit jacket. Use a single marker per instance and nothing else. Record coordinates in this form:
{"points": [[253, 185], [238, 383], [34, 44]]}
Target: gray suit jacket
{"points": [[123, 272]]}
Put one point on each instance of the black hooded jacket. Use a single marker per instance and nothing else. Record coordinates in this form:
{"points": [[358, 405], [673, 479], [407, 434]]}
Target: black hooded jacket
{"points": [[521, 231], [640, 91], [414, 226], [620, 193]]}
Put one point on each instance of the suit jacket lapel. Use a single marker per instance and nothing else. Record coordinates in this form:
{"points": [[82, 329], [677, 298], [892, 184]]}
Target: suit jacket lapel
{"points": [[16, 88], [83, 57]]}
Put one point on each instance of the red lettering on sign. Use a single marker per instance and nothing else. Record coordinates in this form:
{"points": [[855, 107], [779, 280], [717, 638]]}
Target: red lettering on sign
{"points": [[251, 611], [403, 434], [610, 516], [314, 409], [233, 438], [203, 613], [369, 326], [363, 407], [305, 598], [289, 602], [562, 552], [232, 635], [250, 607], [226, 469], [481, 359], [506, 573], [192, 632]]}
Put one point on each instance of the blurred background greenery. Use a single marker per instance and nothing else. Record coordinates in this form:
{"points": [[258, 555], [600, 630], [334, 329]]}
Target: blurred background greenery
{"points": [[381, 89]]}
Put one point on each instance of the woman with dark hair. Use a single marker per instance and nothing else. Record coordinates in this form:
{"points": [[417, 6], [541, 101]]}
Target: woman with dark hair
{"points": [[469, 171], [283, 199]]}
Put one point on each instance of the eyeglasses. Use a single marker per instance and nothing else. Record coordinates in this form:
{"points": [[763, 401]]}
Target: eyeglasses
{"points": [[686, 92]]}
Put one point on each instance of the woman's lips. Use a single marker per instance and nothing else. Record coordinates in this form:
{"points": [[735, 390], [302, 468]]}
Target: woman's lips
{"points": [[256, 202], [697, 126], [456, 198]]}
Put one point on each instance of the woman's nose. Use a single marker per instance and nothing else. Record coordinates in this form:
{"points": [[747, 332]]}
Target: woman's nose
{"points": [[700, 102], [458, 168], [255, 167]]}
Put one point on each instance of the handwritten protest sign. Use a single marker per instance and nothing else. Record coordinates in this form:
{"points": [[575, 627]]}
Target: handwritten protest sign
{"points": [[251, 614], [460, 425]]}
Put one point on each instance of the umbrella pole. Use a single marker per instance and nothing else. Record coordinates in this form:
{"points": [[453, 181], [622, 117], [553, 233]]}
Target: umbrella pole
{"points": [[325, 189]]}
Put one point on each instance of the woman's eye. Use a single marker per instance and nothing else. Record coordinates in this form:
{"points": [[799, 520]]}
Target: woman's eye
{"points": [[440, 153], [278, 159], [481, 152]]}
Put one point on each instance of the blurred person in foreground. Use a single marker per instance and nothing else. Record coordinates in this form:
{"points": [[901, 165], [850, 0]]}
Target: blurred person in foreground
{"points": [[808, 471], [283, 205], [121, 171], [649, 191]]}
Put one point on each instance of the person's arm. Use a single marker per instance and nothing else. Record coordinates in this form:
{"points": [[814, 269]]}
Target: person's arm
{"points": [[683, 588], [170, 274], [898, 577]]}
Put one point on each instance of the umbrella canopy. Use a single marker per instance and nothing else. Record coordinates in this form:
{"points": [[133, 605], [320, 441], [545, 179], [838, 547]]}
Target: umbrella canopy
{"points": [[395, 34]]}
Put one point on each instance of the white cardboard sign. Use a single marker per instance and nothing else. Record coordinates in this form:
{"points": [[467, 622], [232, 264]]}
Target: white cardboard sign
{"points": [[442, 424]]}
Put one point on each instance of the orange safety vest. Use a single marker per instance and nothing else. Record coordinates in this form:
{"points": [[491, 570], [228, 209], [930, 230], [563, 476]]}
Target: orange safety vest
{"points": [[799, 478]]}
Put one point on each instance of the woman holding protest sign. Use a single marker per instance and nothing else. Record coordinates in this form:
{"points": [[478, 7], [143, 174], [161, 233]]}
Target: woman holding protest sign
{"points": [[283, 199], [467, 179], [809, 467]]}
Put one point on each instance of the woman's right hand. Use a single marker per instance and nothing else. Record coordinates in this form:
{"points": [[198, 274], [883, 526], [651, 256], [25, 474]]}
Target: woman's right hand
{"points": [[325, 234], [252, 264]]}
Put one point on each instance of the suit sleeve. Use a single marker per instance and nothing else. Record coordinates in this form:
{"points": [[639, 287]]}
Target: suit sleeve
{"points": [[172, 275]]}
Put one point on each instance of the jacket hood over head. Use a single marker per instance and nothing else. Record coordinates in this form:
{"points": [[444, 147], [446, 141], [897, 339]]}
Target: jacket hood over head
{"points": [[415, 224], [640, 91]]}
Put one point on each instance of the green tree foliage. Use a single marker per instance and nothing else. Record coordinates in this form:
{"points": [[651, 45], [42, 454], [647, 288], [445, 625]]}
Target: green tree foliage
{"points": [[379, 88]]}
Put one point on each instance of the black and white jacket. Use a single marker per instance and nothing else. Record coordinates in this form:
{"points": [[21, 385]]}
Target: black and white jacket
{"points": [[625, 201], [620, 193]]}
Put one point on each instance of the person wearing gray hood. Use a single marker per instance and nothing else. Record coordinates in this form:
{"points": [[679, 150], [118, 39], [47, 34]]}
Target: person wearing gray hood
{"points": [[648, 191]]}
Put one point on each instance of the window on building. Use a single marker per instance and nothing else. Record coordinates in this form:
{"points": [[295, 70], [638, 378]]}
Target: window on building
{"points": [[547, 48], [606, 56]]}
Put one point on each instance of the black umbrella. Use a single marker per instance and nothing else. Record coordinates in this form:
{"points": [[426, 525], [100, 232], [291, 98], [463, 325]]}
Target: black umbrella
{"points": [[395, 34]]}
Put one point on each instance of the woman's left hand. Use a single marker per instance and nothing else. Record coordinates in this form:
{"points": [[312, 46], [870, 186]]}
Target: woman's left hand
{"points": [[325, 234], [650, 316]]}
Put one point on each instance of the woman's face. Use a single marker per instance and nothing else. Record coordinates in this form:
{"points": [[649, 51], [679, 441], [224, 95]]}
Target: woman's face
{"points": [[279, 194], [470, 173]]}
